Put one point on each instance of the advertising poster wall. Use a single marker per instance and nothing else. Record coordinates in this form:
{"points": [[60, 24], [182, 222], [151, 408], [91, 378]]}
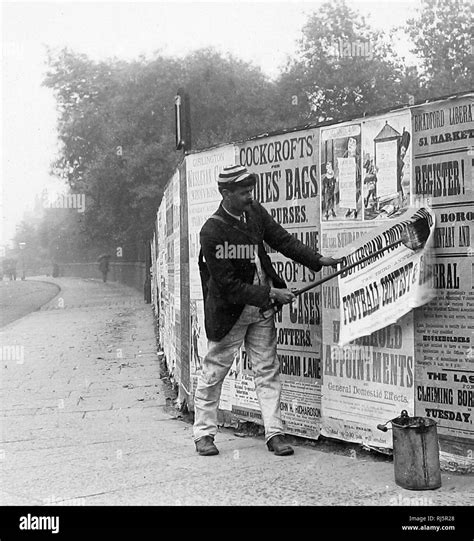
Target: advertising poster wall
{"points": [[386, 165], [288, 187], [424, 361], [369, 380], [443, 176], [341, 176]]}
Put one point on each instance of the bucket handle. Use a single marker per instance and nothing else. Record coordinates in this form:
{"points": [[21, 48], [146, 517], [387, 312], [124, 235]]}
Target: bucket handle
{"points": [[384, 428]]}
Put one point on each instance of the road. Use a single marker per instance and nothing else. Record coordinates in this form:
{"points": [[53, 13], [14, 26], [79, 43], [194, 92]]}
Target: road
{"points": [[20, 297]]}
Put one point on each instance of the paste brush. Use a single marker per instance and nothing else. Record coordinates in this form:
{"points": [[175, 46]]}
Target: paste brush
{"points": [[414, 236]]}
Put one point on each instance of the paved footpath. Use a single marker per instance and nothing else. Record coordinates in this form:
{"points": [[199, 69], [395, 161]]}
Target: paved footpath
{"points": [[86, 420]]}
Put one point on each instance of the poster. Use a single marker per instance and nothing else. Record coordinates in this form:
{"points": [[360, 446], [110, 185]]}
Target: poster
{"points": [[386, 165], [176, 265], [444, 329], [341, 178], [371, 379], [198, 346], [443, 152], [162, 277], [185, 318], [170, 292], [202, 171], [346, 173], [288, 187], [153, 273], [391, 278], [239, 394], [203, 199]]}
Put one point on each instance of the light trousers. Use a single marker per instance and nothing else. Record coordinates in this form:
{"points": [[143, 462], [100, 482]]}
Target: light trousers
{"points": [[260, 339]]}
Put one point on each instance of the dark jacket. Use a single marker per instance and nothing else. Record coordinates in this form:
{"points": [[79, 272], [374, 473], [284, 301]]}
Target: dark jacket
{"points": [[231, 286], [104, 265]]}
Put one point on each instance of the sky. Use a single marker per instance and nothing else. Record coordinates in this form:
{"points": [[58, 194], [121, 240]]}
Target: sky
{"points": [[264, 33]]}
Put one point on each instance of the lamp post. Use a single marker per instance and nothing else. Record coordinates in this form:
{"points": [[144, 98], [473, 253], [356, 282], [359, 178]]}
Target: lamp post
{"points": [[182, 116], [22, 246]]}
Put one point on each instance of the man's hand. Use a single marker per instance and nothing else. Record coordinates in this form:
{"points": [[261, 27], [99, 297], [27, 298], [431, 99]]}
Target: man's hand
{"points": [[329, 262], [281, 296]]}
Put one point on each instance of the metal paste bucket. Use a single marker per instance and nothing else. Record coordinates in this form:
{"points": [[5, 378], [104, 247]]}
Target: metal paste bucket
{"points": [[415, 452]]}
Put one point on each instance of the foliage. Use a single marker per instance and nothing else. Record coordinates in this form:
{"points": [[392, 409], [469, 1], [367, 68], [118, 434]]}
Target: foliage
{"points": [[106, 105], [442, 36], [103, 106], [116, 118], [230, 99], [343, 68]]}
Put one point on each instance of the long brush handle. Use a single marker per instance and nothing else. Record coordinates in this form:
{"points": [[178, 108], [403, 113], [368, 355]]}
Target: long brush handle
{"points": [[276, 307], [344, 269]]}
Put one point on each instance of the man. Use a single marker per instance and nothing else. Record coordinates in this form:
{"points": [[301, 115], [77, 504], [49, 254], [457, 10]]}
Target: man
{"points": [[238, 280]]}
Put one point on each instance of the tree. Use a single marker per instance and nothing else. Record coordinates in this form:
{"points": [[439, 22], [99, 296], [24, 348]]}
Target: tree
{"points": [[442, 35], [116, 126], [103, 107], [342, 68], [230, 99]]}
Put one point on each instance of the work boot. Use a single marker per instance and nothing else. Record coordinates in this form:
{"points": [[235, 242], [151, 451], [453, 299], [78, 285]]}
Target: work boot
{"points": [[279, 446], [205, 446]]}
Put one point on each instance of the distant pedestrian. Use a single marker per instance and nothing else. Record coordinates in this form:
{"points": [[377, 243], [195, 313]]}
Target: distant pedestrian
{"points": [[9, 268], [104, 266]]}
